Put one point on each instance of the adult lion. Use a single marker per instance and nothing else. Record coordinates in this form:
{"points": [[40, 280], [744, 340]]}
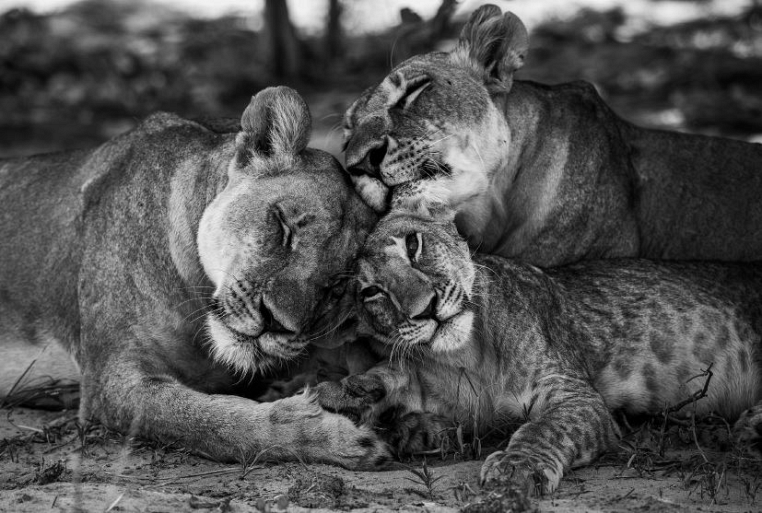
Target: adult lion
{"points": [[548, 174], [173, 263]]}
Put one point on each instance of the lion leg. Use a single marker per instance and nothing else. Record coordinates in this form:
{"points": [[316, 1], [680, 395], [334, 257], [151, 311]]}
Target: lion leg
{"points": [[226, 427], [353, 396], [572, 429], [411, 432], [367, 396], [391, 401]]}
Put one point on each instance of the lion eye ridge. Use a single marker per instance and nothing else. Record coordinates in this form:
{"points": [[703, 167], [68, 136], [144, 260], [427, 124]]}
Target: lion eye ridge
{"points": [[371, 293]]}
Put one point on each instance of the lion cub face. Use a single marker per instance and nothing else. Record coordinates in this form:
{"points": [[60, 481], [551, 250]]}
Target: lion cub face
{"points": [[415, 282], [433, 119], [278, 240]]}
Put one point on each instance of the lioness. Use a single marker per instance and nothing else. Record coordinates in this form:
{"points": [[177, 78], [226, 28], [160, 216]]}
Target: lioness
{"points": [[488, 341], [174, 263], [548, 174]]}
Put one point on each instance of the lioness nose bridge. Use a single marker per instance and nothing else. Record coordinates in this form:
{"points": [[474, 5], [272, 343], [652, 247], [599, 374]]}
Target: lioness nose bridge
{"points": [[373, 134]]}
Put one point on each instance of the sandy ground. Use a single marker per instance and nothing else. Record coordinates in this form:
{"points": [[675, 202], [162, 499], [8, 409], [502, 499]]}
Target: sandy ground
{"points": [[47, 463]]}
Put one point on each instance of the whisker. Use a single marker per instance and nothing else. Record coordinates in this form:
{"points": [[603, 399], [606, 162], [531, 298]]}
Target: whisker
{"points": [[391, 52], [486, 268], [193, 287], [430, 144], [335, 129], [179, 305], [331, 329], [202, 330], [476, 150]]}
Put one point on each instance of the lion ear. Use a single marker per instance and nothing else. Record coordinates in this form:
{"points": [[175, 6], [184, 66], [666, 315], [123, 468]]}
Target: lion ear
{"points": [[494, 44], [277, 121]]}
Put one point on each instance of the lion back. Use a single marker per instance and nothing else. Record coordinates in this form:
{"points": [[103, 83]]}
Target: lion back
{"points": [[45, 202]]}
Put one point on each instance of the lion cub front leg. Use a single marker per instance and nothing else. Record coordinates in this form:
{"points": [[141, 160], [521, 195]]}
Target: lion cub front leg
{"points": [[391, 400], [355, 396], [572, 428]]}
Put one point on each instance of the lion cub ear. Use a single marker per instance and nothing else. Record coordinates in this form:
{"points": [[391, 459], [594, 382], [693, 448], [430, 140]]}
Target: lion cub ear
{"points": [[276, 122], [494, 44]]}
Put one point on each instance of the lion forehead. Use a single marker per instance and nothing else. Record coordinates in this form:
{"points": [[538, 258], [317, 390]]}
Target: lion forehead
{"points": [[454, 95]]}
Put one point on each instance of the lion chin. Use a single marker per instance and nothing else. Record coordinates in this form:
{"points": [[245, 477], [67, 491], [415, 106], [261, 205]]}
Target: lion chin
{"points": [[251, 354], [439, 336], [454, 333]]}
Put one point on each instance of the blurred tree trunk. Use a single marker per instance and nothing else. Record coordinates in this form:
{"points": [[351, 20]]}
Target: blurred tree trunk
{"points": [[417, 36], [334, 38], [285, 55], [442, 19]]}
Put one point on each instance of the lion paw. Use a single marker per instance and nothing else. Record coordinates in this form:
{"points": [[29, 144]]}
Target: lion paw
{"points": [[320, 435], [412, 432], [351, 396], [357, 447], [748, 428], [518, 471]]}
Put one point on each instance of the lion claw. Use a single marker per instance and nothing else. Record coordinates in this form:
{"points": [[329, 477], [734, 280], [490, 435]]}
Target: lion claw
{"points": [[748, 428], [502, 469]]}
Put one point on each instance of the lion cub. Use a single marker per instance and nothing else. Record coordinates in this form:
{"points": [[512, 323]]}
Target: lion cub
{"points": [[488, 339]]}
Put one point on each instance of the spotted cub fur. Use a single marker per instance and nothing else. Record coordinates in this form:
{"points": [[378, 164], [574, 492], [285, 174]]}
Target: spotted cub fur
{"points": [[486, 340]]}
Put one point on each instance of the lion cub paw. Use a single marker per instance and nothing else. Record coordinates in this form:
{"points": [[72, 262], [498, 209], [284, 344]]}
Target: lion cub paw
{"points": [[412, 432], [748, 428], [352, 396], [519, 471]]}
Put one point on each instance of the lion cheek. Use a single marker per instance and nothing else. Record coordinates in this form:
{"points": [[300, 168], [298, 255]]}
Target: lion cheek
{"points": [[373, 192], [227, 350], [211, 244], [455, 334]]}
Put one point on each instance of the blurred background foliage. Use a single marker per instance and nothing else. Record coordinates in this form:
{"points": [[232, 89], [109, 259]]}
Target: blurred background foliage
{"points": [[91, 70]]}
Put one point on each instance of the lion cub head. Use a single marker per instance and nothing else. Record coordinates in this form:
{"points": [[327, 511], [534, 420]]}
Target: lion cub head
{"points": [[278, 239], [433, 117], [416, 280]]}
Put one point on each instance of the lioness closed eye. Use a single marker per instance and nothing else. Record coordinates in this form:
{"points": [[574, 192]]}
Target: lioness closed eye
{"points": [[172, 262], [489, 340], [547, 174]]}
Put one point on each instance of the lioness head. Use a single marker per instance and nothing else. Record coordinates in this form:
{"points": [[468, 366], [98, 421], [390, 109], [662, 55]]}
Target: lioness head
{"points": [[415, 281], [433, 117], [278, 240]]}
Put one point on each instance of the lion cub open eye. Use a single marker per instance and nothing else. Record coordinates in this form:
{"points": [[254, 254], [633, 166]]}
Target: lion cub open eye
{"points": [[286, 232], [414, 245]]}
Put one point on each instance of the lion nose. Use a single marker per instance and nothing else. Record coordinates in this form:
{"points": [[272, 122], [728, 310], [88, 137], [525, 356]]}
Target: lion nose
{"points": [[371, 163], [429, 310], [269, 322]]}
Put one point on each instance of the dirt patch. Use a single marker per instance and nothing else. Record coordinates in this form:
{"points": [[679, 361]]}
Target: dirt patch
{"points": [[48, 461]]}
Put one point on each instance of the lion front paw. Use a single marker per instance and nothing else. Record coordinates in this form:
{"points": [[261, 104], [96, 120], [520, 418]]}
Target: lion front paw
{"points": [[412, 432], [519, 471], [748, 428], [359, 447], [351, 396], [324, 436]]}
